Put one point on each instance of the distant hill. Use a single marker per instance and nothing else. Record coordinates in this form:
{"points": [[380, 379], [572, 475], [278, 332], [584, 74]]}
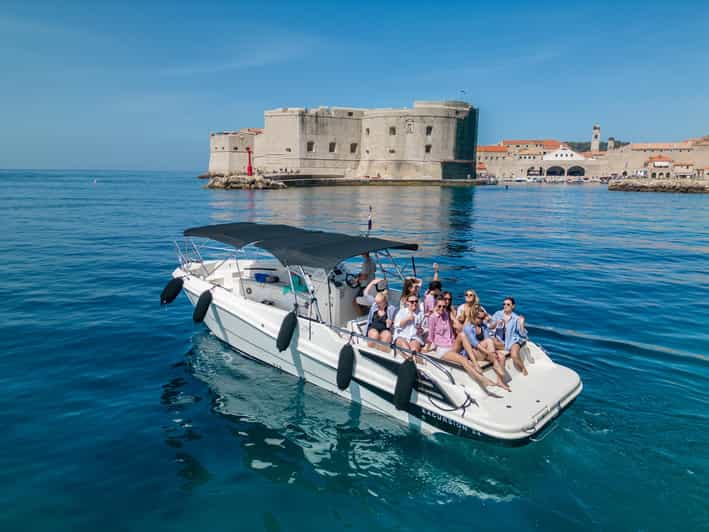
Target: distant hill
{"points": [[586, 146]]}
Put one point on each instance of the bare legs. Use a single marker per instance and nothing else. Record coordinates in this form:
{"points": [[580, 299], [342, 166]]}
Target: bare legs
{"points": [[517, 359], [384, 336], [486, 351], [462, 342], [514, 353], [471, 368], [412, 345]]}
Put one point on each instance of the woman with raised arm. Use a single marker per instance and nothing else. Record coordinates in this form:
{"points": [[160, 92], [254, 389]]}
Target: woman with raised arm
{"points": [[411, 287], [408, 325]]}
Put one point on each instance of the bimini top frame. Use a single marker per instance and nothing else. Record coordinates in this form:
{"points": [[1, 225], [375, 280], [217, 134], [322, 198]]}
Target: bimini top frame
{"points": [[295, 246]]}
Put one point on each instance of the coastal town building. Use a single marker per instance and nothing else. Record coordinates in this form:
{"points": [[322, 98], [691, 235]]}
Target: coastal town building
{"points": [[430, 141], [596, 138], [555, 160]]}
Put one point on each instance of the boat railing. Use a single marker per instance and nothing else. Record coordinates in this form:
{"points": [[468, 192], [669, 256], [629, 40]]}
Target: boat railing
{"points": [[190, 252], [394, 349]]}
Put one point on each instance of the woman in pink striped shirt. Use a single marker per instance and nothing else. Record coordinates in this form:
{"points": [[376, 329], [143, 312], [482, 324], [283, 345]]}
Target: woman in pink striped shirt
{"points": [[445, 344]]}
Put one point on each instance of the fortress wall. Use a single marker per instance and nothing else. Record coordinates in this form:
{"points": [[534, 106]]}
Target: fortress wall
{"points": [[617, 161], [423, 137], [340, 141], [324, 127], [397, 168], [628, 159], [227, 151], [278, 146], [294, 129]]}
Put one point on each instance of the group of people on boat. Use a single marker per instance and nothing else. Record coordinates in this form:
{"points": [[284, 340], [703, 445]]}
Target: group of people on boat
{"points": [[466, 335]]}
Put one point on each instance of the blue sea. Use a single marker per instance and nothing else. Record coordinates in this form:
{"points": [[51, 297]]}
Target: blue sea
{"points": [[119, 414]]}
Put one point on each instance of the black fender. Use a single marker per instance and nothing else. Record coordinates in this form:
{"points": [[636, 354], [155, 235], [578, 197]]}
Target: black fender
{"points": [[285, 334], [345, 366], [171, 291], [405, 380], [202, 306]]}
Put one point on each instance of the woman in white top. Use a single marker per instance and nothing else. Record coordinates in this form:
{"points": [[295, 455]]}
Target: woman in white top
{"points": [[408, 325]]}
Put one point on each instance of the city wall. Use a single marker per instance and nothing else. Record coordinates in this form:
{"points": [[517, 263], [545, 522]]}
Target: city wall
{"points": [[432, 140], [632, 160]]}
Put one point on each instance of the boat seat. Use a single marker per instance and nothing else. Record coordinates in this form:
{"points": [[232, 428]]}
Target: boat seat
{"points": [[358, 326]]}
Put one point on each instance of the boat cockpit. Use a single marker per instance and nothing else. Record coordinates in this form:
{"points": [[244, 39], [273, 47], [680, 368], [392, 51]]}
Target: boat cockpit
{"points": [[316, 294]]}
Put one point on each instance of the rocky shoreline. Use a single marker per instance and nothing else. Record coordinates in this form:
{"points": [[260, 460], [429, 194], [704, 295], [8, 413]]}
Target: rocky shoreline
{"points": [[236, 181], [687, 186]]}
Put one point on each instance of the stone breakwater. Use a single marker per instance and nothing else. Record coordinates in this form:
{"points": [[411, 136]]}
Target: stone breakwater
{"points": [[243, 182], [661, 185]]}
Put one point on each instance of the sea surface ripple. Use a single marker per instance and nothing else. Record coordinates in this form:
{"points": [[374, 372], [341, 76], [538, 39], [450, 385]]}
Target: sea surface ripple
{"points": [[122, 415]]}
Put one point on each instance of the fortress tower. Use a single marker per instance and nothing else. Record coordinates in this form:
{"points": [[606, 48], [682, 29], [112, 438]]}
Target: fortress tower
{"points": [[596, 138], [611, 143]]}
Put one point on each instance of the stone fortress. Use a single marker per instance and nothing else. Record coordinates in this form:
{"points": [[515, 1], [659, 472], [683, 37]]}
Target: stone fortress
{"points": [[430, 141], [553, 160]]}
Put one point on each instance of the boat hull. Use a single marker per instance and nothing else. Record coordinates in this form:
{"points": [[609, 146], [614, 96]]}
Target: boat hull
{"points": [[251, 328]]}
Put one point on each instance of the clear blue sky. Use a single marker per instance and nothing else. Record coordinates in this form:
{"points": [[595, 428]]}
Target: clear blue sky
{"points": [[130, 85]]}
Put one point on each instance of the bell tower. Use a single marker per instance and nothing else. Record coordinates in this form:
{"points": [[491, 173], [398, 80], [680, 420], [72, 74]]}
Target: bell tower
{"points": [[596, 138]]}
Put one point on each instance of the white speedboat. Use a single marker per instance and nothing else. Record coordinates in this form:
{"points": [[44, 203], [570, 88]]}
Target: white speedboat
{"points": [[282, 295]]}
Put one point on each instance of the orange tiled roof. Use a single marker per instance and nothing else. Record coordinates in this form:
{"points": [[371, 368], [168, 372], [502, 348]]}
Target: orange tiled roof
{"points": [[493, 148], [661, 157], [682, 163]]}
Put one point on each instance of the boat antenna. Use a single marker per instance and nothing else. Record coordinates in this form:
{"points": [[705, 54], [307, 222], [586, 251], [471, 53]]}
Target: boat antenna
{"points": [[369, 221]]}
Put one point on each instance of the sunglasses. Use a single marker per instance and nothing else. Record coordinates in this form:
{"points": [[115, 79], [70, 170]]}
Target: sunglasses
{"points": [[440, 306], [413, 300], [507, 304], [468, 295]]}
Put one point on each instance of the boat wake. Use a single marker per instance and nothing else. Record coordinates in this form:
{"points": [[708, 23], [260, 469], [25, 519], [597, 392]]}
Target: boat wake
{"points": [[628, 345]]}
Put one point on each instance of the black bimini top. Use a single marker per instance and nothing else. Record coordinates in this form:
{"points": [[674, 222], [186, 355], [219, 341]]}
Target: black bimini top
{"points": [[294, 246]]}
